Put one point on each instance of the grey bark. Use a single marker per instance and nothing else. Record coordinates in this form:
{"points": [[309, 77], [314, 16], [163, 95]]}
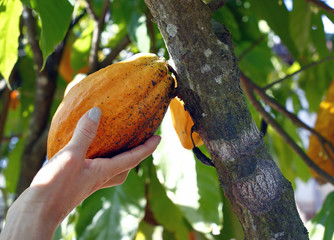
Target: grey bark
{"points": [[209, 83]]}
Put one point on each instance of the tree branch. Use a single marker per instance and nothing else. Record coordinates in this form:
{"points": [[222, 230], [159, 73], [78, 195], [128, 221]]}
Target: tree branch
{"points": [[150, 29], [99, 23], [34, 151], [30, 22], [249, 87], [214, 5], [114, 53], [90, 10], [322, 5], [5, 106], [275, 105], [300, 70]]}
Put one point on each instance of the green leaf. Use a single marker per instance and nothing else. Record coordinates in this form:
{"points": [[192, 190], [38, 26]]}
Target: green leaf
{"points": [[300, 20], [55, 17], [288, 161], [318, 35], [164, 210], [315, 81], [191, 185], [321, 226], [226, 16], [13, 168], [138, 32], [128, 12], [10, 13], [81, 47], [261, 55], [277, 17], [232, 228], [145, 231], [117, 213], [25, 66]]}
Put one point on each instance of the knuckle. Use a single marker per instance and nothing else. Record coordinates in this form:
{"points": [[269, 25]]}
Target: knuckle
{"points": [[88, 132]]}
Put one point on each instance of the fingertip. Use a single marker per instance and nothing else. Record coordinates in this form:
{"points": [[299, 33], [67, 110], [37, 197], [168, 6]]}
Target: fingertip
{"points": [[156, 139], [86, 130], [153, 141], [94, 114]]}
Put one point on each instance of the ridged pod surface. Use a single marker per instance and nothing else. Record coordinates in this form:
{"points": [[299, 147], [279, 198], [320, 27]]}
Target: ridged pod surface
{"points": [[324, 125], [182, 123], [133, 96]]}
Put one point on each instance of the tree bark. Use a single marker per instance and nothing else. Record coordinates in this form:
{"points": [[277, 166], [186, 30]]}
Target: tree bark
{"points": [[35, 144], [209, 83]]}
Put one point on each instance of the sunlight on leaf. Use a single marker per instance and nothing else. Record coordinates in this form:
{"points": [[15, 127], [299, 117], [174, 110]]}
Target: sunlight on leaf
{"points": [[192, 186], [122, 210], [55, 17], [10, 13], [321, 227]]}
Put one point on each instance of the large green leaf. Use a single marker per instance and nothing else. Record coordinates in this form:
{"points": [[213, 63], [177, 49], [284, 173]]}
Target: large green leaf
{"points": [[288, 161], [113, 213], [321, 227], [315, 82], [12, 170], [318, 35], [130, 14], [257, 64], [277, 16], [164, 210], [300, 21], [232, 228], [55, 17], [192, 186], [81, 46], [138, 32], [10, 13]]}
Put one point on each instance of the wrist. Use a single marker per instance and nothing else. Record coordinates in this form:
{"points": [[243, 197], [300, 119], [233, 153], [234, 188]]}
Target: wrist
{"points": [[29, 218]]}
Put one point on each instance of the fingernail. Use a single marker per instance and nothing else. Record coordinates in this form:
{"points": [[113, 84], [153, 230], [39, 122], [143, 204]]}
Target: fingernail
{"points": [[94, 114]]}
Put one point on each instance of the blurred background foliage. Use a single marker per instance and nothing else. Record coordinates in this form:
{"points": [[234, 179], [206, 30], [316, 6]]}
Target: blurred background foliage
{"points": [[170, 195]]}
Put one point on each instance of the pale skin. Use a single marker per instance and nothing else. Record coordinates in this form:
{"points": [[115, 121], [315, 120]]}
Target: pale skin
{"points": [[66, 180]]}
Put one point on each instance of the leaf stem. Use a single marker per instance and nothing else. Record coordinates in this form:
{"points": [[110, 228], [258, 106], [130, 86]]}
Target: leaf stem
{"points": [[296, 72], [322, 5]]}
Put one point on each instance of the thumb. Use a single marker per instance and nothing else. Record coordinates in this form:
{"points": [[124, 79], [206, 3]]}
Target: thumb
{"points": [[86, 130]]}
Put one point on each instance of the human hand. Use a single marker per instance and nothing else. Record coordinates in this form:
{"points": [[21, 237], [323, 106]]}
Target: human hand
{"points": [[68, 178]]}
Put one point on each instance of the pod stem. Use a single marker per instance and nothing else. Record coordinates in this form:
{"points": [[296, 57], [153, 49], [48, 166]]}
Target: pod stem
{"points": [[198, 153]]}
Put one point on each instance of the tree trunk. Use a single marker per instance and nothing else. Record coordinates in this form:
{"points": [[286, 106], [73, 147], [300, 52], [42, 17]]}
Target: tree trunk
{"points": [[209, 83], [36, 140]]}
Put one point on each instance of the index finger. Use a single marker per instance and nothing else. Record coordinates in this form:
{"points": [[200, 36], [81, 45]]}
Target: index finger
{"points": [[127, 160]]}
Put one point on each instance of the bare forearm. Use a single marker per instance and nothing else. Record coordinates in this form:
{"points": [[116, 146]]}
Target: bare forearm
{"points": [[26, 220]]}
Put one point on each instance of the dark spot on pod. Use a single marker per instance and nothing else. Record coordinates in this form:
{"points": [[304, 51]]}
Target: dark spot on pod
{"points": [[153, 83]]}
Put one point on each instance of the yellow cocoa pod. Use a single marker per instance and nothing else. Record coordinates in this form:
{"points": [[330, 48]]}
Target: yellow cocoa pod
{"points": [[133, 96], [182, 123], [324, 125]]}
